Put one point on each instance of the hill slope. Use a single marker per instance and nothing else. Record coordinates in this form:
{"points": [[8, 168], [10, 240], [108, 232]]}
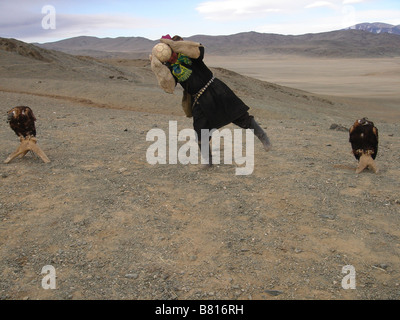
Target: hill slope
{"points": [[344, 43], [120, 84], [351, 43]]}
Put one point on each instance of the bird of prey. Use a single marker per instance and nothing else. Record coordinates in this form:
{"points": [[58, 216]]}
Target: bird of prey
{"points": [[22, 122], [364, 141]]}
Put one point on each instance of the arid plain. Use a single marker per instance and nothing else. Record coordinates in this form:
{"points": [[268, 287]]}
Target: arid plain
{"points": [[367, 80], [115, 227]]}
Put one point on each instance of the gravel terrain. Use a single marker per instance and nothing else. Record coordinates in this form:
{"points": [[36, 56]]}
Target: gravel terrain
{"points": [[115, 227]]}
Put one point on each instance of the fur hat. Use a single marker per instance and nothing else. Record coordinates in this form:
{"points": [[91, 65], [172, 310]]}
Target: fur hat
{"points": [[162, 52]]}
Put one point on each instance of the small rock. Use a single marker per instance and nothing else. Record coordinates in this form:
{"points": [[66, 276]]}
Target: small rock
{"points": [[273, 293], [338, 127], [131, 276], [328, 216], [381, 266]]}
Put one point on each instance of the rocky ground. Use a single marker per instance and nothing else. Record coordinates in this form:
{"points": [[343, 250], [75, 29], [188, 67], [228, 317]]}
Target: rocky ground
{"points": [[115, 227]]}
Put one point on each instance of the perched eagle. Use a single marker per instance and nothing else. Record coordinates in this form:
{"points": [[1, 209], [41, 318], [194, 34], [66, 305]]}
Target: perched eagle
{"points": [[22, 121], [364, 141]]}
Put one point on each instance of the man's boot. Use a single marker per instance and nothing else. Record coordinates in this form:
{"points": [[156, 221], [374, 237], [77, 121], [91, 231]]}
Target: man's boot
{"points": [[261, 134]]}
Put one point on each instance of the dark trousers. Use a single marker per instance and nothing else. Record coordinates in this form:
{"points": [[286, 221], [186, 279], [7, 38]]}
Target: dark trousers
{"points": [[200, 122]]}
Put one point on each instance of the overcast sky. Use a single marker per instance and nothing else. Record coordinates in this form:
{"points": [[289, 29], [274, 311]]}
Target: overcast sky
{"points": [[51, 20]]}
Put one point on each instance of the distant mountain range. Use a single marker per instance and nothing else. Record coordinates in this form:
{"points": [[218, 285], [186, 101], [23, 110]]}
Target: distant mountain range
{"points": [[353, 42], [377, 28]]}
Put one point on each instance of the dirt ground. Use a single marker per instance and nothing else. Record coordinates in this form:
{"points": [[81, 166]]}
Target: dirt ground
{"points": [[115, 227]]}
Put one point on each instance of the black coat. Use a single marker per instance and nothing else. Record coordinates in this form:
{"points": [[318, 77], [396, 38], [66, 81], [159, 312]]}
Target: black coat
{"points": [[218, 104]]}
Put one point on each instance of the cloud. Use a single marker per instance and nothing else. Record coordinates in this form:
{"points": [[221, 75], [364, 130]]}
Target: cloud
{"points": [[352, 1], [221, 10], [338, 20], [28, 26], [388, 16], [22, 19], [239, 9], [100, 21], [320, 4]]}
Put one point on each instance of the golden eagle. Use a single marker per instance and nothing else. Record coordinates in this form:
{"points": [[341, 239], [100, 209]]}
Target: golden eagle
{"points": [[364, 141], [22, 121]]}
